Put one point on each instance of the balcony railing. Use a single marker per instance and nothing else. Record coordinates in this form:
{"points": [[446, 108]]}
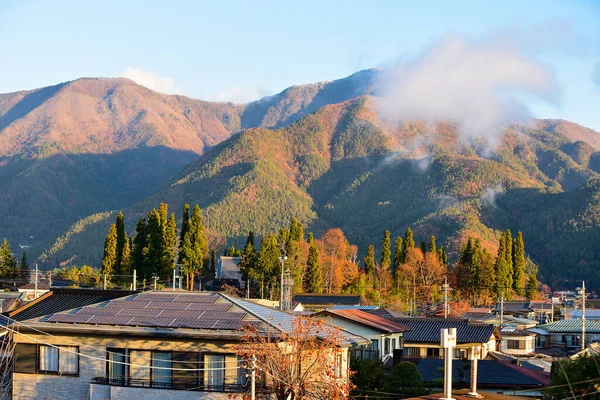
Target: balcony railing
{"points": [[188, 386]]}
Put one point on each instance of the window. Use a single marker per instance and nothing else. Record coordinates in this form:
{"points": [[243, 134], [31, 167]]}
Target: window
{"points": [[393, 344], [26, 358], [215, 372], [242, 373], [161, 369], [116, 367], [432, 352], [59, 359], [374, 345], [386, 346]]}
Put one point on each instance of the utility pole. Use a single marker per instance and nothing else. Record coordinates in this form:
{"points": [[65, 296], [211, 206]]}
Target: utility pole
{"points": [[281, 300], [35, 291], [253, 378], [174, 277], [104, 282], [134, 279], [501, 308], [155, 277], [414, 294], [446, 298], [583, 316]]}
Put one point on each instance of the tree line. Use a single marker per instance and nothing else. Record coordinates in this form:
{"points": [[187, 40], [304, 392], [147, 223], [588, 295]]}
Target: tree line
{"points": [[10, 269]]}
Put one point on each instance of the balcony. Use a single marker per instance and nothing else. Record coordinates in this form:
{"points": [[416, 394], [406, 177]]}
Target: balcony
{"points": [[123, 389]]}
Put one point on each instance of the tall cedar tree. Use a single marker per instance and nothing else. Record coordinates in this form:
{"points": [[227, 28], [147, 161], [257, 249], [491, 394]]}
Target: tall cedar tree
{"points": [[185, 227], [508, 240], [531, 290], [125, 266], [296, 257], [153, 252], [313, 281], [502, 267], [386, 252], [139, 244], [443, 256], [24, 272], [248, 261], [170, 243], [432, 246], [9, 264], [370, 261], [121, 240], [267, 263], [110, 252], [397, 261], [519, 265], [409, 243], [195, 244]]}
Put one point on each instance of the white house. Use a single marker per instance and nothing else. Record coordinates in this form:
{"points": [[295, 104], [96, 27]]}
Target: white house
{"points": [[516, 341]]}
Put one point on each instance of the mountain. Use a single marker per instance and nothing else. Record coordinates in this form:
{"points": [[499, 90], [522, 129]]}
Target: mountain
{"points": [[98, 144], [343, 167]]}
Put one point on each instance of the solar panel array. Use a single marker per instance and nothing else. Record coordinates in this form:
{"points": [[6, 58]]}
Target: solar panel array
{"points": [[160, 310]]}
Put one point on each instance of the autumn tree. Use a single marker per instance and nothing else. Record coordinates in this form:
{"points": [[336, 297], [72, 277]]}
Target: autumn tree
{"points": [[338, 260], [302, 362], [531, 290]]}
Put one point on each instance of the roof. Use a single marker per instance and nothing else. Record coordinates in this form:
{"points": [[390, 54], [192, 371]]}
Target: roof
{"points": [[514, 306], [541, 305], [477, 315], [491, 373], [462, 394], [571, 325], [186, 313], [227, 268], [319, 299], [385, 313], [512, 331], [589, 313], [362, 308], [369, 320], [428, 330], [45, 285], [61, 299]]}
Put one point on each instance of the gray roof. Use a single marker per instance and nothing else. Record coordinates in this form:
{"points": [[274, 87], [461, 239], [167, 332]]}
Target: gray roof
{"points": [[428, 330], [362, 308], [589, 313], [227, 268], [327, 299], [571, 325]]}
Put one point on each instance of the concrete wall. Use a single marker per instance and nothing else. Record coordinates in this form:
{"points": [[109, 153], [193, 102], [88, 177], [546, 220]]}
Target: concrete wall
{"points": [[104, 392], [92, 363], [529, 345]]}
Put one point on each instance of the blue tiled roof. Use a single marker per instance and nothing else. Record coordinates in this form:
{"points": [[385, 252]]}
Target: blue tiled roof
{"points": [[490, 373], [589, 313], [428, 330]]}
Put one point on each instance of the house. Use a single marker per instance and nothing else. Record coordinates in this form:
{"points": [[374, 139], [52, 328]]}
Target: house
{"points": [[387, 313], [507, 320], [540, 311], [150, 345], [423, 341], [493, 376], [33, 291], [384, 335], [228, 271], [590, 314], [516, 341], [565, 334], [11, 300], [322, 301]]}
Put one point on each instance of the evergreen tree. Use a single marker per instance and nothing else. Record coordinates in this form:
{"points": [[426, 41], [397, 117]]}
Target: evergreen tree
{"points": [[531, 290], [8, 262], [432, 246], [409, 243], [248, 261], [311, 238], [213, 265], [397, 253], [185, 227], [295, 253], [443, 256], [231, 251], [121, 240], [313, 282], [195, 244], [170, 242], [386, 253], [139, 244], [370, 261], [153, 252], [110, 252], [296, 230], [519, 264], [24, 272], [125, 259], [508, 242], [268, 264], [502, 267]]}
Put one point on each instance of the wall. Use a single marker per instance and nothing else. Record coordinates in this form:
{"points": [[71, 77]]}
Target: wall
{"points": [[104, 392], [39, 386], [529, 344]]}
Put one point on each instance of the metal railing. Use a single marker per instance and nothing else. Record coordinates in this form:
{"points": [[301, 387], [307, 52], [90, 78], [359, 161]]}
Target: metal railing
{"points": [[174, 385]]}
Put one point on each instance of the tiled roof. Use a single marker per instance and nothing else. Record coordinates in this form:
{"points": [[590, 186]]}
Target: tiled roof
{"points": [[61, 299], [491, 373], [571, 325], [428, 330], [514, 306], [510, 331], [481, 316], [366, 319], [540, 305], [40, 286], [362, 308], [589, 313], [318, 298]]}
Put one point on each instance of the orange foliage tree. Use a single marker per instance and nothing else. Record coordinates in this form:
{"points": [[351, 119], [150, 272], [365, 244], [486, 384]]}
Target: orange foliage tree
{"points": [[304, 361], [338, 260]]}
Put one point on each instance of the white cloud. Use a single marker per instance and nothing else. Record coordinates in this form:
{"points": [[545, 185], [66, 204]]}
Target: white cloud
{"points": [[477, 83], [152, 80], [240, 94]]}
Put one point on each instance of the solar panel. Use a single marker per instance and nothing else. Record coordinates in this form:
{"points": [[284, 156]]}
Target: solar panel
{"points": [[70, 318], [144, 312], [97, 311], [110, 320], [152, 321]]}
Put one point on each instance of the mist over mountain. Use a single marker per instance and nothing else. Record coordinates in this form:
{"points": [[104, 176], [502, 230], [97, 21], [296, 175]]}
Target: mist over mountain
{"points": [[74, 153]]}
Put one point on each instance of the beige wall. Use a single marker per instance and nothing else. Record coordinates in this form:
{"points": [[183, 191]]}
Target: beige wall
{"points": [[39, 386]]}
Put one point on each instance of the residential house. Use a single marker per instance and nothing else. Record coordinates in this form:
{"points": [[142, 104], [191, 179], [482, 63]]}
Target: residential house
{"points": [[33, 291], [228, 271], [507, 320], [322, 301], [493, 376], [423, 341], [540, 311], [516, 341], [590, 314], [384, 335], [11, 300], [151, 345], [565, 334]]}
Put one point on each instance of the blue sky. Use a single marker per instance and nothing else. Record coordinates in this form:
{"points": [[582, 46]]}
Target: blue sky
{"points": [[226, 50]]}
